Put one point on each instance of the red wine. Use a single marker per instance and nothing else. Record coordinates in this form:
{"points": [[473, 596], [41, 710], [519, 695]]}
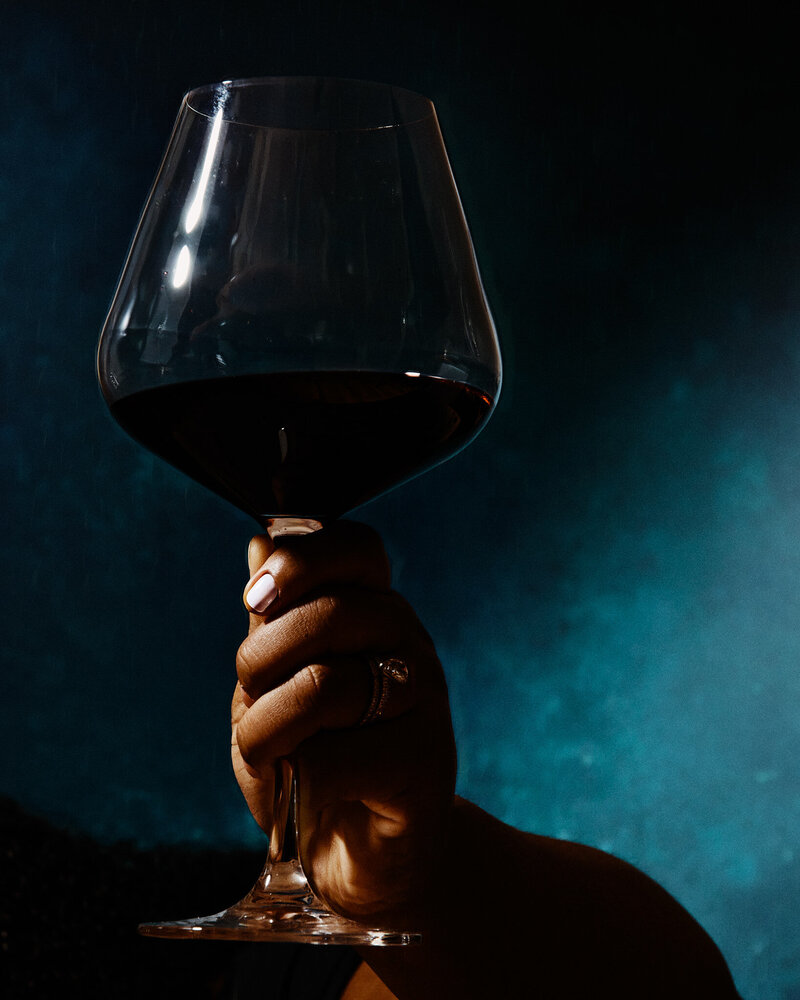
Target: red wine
{"points": [[304, 444]]}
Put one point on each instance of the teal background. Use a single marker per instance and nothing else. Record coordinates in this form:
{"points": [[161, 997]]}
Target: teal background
{"points": [[610, 571]]}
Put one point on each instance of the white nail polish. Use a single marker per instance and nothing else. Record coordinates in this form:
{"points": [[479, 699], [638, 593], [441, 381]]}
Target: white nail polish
{"points": [[261, 594]]}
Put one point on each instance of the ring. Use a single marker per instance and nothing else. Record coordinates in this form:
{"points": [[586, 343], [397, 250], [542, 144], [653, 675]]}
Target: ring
{"points": [[384, 671]]}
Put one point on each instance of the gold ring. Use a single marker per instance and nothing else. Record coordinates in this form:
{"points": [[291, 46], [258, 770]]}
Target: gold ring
{"points": [[385, 670]]}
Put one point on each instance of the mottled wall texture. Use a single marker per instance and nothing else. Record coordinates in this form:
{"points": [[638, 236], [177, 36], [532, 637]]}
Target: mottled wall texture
{"points": [[612, 570]]}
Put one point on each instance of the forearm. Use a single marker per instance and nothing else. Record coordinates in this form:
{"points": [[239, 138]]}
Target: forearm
{"points": [[547, 918]]}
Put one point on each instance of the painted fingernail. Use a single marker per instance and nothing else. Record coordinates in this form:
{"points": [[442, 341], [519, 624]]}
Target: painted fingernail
{"points": [[261, 594]]}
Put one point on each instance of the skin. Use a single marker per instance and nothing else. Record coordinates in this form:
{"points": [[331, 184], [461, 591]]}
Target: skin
{"points": [[383, 837], [372, 798]]}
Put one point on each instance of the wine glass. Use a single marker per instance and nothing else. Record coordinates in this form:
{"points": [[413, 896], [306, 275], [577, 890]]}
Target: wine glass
{"points": [[300, 326]]}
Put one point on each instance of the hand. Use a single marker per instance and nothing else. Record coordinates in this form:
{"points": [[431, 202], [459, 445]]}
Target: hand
{"points": [[375, 800]]}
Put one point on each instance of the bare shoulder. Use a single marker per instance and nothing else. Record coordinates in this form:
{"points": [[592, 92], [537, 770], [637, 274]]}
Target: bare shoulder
{"points": [[365, 985]]}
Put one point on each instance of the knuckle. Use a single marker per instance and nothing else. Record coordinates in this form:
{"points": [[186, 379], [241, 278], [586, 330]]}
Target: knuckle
{"points": [[323, 612], [249, 742], [245, 666], [283, 562], [310, 688]]}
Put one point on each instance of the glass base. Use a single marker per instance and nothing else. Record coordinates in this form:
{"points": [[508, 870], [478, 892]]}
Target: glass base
{"points": [[281, 907]]}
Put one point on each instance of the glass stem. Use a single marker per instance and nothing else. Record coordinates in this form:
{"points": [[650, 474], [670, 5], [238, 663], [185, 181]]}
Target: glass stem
{"points": [[283, 844], [283, 830], [283, 883]]}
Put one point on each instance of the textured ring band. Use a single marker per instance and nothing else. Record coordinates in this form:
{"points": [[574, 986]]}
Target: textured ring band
{"points": [[384, 671]]}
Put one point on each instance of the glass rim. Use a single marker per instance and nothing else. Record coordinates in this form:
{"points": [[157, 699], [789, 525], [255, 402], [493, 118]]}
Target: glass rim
{"points": [[210, 100]]}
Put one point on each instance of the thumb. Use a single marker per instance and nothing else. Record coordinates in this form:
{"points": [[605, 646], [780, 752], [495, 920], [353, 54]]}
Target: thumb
{"points": [[259, 550]]}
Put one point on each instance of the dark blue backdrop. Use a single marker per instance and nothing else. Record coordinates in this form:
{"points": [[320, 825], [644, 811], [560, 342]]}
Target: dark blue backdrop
{"points": [[611, 571]]}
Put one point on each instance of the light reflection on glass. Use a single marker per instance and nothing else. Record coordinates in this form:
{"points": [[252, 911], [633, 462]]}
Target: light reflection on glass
{"points": [[194, 212], [183, 267]]}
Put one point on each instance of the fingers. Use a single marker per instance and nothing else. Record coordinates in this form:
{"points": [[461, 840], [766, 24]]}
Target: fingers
{"points": [[321, 696], [342, 622], [259, 550], [308, 671], [304, 667], [345, 552]]}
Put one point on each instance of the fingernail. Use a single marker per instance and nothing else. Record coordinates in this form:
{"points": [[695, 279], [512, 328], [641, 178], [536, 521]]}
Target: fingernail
{"points": [[261, 594]]}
